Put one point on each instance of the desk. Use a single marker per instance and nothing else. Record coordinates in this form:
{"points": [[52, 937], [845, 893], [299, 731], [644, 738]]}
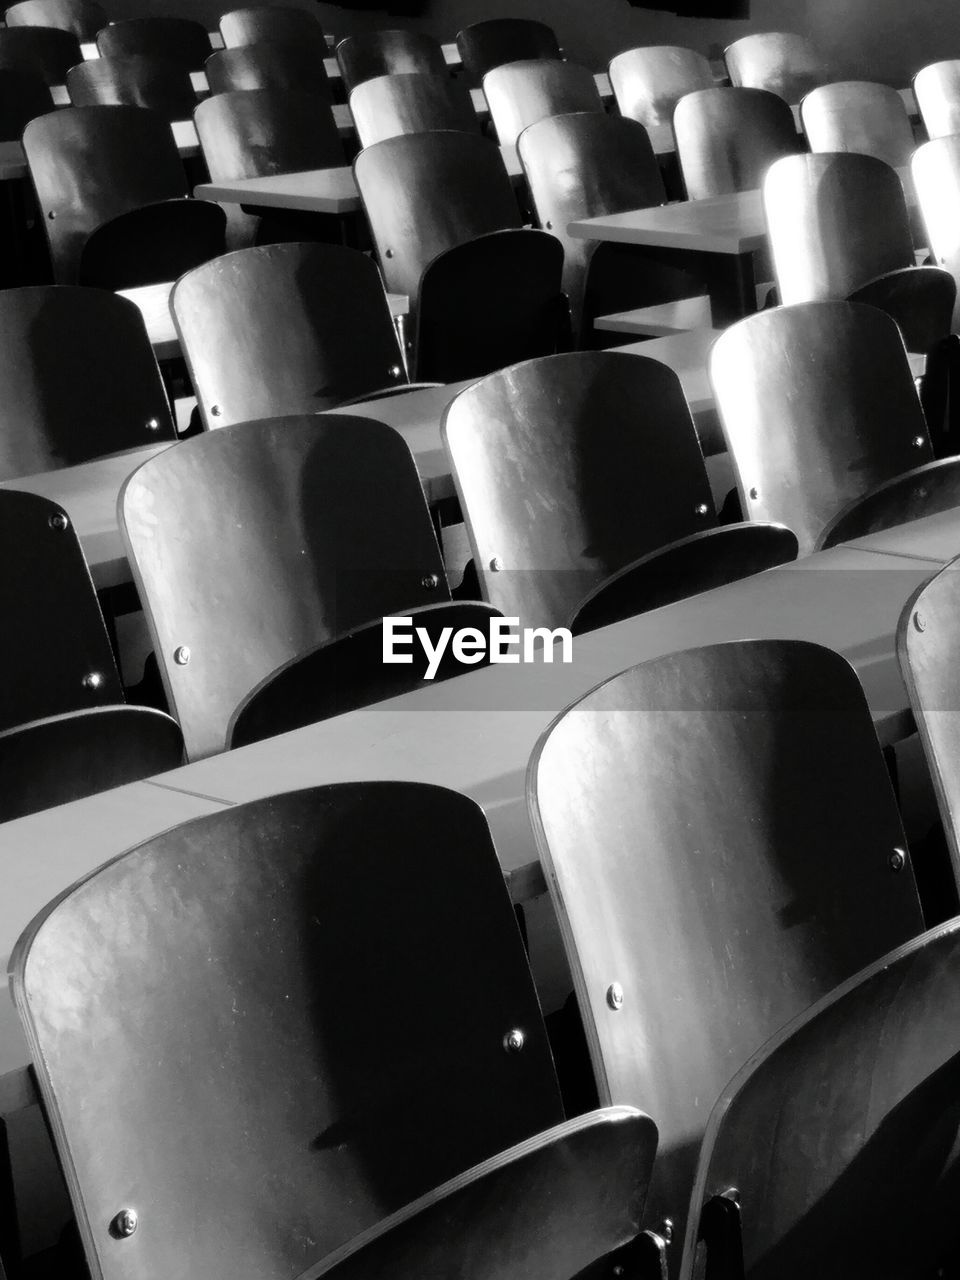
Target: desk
{"points": [[934, 538]]}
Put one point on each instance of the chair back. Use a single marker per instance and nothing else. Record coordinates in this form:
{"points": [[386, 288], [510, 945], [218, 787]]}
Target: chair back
{"points": [[727, 139], [82, 18], [281, 67], [255, 132], [860, 116], [937, 92], [779, 61], [138, 81], [520, 93], [23, 96], [648, 83], [153, 245], [485, 45], [177, 39], [410, 102], [273, 24], [935, 169], [46, 51], [369, 54]]}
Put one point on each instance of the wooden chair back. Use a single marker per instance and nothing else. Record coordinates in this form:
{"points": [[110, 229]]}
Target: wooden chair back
{"points": [[935, 169], [779, 61], [23, 96], [857, 115], [46, 51], [520, 93], [369, 54], [485, 45], [177, 39], [648, 83], [410, 102], [282, 68], [274, 24], [137, 81], [82, 18], [727, 139], [937, 91]]}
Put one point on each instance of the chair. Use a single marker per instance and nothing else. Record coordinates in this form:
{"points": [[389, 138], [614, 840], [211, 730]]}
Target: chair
{"points": [[935, 169], [386, 106], [137, 81], [566, 1198], [78, 379], [570, 469], [280, 67], [246, 923], [285, 329], [175, 39], [823, 422], [842, 1129], [520, 93], [424, 193], [273, 24], [329, 529], [45, 51], [82, 18], [153, 245], [856, 115], [778, 61], [728, 138], [937, 91], [723, 847], [370, 54], [23, 96], [66, 757], [485, 45], [648, 83]]}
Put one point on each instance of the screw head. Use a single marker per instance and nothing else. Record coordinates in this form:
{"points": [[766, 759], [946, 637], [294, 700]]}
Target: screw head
{"points": [[917, 442], [919, 622], [666, 1231], [754, 494], [181, 655], [395, 371], [496, 565], [215, 411], [615, 996], [898, 860], [548, 225], [388, 253], [59, 521], [513, 1041], [430, 581], [52, 215], [125, 1223], [92, 680], [701, 509], [153, 424]]}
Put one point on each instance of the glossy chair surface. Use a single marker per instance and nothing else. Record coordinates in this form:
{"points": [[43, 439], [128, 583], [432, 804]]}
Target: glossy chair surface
{"points": [[410, 102], [520, 93], [485, 45], [937, 91], [46, 51], [154, 244], [935, 169], [273, 24], [723, 847], [177, 39], [280, 67], [649, 82], [247, 923], [23, 96], [779, 61], [365, 55], [256, 132], [727, 138], [136, 81], [82, 18], [860, 116]]}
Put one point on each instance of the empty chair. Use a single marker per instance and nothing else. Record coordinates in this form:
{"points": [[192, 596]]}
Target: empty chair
{"points": [[280, 67], [82, 18], [23, 96], [779, 61], [936, 177], [723, 847], [46, 51], [176, 39], [273, 24], [369, 54], [937, 91], [857, 115], [571, 471], [648, 83], [284, 329], [78, 379], [823, 422], [66, 757], [329, 529], [842, 1128], [521, 93], [136, 81], [356, 1114], [485, 45], [728, 138], [153, 245], [386, 106]]}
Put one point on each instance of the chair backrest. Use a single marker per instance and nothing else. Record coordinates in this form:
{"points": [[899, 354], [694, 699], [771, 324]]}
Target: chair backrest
{"points": [[46, 51], [78, 379], [569, 468], [648, 83], [786, 64], [273, 24], [329, 529], [520, 93], [728, 138], [23, 96], [935, 169], [285, 328], [137, 81], [55, 648], [369, 54], [89, 164], [842, 1128], [153, 245], [281, 67], [485, 45], [582, 166], [176, 39], [358, 1095], [426, 192], [834, 221], [818, 407], [411, 102], [858, 115], [723, 847], [254, 132], [66, 757], [936, 89], [82, 18]]}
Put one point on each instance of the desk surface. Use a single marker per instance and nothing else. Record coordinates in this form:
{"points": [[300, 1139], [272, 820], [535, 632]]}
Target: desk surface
{"points": [[934, 538]]}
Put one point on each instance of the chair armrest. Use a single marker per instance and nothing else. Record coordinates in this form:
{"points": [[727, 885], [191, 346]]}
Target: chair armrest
{"points": [[921, 492]]}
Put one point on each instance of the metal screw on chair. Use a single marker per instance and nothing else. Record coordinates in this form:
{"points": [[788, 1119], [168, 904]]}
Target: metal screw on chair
{"points": [[754, 494], [394, 371], [496, 565], [59, 521], [513, 1041], [548, 225], [701, 509], [215, 411], [125, 1223], [919, 622], [153, 424], [181, 655], [898, 860], [917, 442], [92, 680], [430, 581], [52, 214], [388, 253], [615, 996], [666, 1231]]}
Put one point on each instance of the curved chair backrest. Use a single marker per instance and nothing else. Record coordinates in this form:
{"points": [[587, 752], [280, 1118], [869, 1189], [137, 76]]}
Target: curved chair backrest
{"points": [[485, 45], [78, 379], [582, 166], [937, 91], [648, 83], [936, 177], [411, 102], [137, 81], [82, 18], [153, 244], [818, 407], [273, 24], [46, 51], [569, 468], [177, 39], [286, 328], [55, 648], [23, 97], [89, 164], [723, 847], [66, 757], [842, 1128], [858, 115], [369, 54], [255, 132], [834, 221], [358, 1096], [779, 61], [426, 192], [728, 138], [281, 67], [329, 529], [520, 93]]}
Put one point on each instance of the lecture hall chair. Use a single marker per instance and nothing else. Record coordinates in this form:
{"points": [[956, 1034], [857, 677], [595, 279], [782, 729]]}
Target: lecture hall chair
{"points": [[520, 93], [82, 18], [485, 45], [410, 102], [937, 92], [727, 138], [280, 67], [585, 493], [273, 24], [857, 115], [177, 39], [135, 81], [23, 97], [648, 83], [369, 54], [778, 61], [44, 51], [723, 847], [935, 169]]}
